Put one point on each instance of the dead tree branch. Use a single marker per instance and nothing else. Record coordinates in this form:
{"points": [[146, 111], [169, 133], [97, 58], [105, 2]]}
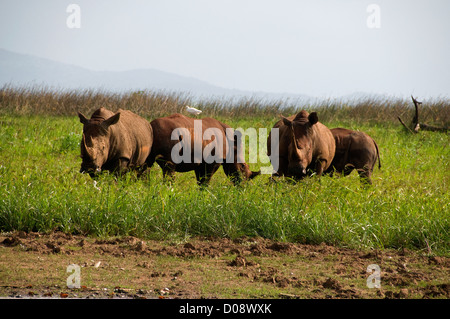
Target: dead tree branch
{"points": [[416, 125], [404, 125]]}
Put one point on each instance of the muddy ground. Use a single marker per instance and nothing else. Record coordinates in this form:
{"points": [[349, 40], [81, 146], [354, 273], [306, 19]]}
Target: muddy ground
{"points": [[34, 265]]}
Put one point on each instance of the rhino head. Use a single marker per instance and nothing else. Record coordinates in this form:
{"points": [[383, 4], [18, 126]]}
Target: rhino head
{"points": [[95, 144]]}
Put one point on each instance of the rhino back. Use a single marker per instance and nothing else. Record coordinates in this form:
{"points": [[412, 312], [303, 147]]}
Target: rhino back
{"points": [[132, 137], [353, 147], [162, 131], [324, 144], [163, 128]]}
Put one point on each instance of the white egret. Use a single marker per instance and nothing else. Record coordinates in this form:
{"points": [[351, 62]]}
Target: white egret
{"points": [[193, 110]]}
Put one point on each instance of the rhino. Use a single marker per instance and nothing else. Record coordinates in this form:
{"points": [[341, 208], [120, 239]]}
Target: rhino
{"points": [[166, 142], [354, 150], [304, 144], [116, 142]]}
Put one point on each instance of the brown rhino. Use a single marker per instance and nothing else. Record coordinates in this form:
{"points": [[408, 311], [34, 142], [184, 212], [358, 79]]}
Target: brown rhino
{"points": [[116, 142], [354, 150], [169, 152], [304, 145]]}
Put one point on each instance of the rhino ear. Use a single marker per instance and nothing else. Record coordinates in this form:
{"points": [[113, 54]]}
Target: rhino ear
{"points": [[111, 121], [313, 118], [287, 122], [83, 118]]}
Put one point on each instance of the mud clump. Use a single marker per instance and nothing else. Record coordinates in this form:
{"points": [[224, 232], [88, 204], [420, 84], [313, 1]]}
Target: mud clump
{"points": [[281, 247], [433, 291], [11, 241], [331, 283], [54, 248], [189, 246], [241, 261]]}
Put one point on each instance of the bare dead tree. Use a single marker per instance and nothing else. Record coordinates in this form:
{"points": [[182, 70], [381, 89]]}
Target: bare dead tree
{"points": [[416, 125], [415, 120]]}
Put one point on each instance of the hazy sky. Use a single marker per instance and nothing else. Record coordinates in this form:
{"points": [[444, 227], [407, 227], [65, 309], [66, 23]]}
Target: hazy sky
{"points": [[319, 48]]}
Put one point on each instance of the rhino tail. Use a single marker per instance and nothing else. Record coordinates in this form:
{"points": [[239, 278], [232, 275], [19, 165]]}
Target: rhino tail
{"points": [[378, 154]]}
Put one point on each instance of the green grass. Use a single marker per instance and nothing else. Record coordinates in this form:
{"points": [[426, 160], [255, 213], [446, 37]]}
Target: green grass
{"points": [[42, 190]]}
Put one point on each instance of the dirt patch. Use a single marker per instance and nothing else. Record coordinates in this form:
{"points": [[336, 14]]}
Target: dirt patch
{"points": [[36, 265]]}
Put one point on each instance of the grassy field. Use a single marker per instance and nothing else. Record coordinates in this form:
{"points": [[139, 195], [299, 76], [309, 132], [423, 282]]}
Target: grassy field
{"points": [[42, 190]]}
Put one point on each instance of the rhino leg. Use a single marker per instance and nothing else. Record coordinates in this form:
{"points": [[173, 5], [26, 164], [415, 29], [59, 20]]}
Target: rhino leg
{"points": [[150, 161], [141, 169], [348, 169], [320, 167], [168, 174], [282, 169], [123, 165], [168, 169], [204, 173], [365, 174]]}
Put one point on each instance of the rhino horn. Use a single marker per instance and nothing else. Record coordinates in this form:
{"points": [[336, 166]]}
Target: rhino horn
{"points": [[88, 149]]}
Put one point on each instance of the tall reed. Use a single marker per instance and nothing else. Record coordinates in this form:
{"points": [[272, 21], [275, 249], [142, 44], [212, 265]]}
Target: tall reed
{"points": [[152, 104]]}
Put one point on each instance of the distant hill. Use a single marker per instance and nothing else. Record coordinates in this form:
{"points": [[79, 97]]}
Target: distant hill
{"points": [[21, 69], [26, 70]]}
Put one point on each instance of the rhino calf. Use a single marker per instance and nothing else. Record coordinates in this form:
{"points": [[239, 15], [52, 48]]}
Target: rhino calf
{"points": [[354, 150], [116, 142]]}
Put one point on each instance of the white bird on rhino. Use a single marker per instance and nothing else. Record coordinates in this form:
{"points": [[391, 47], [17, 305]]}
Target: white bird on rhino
{"points": [[193, 110]]}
